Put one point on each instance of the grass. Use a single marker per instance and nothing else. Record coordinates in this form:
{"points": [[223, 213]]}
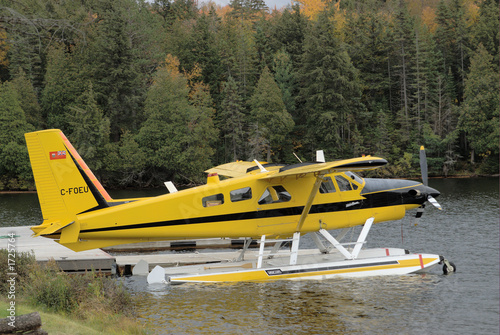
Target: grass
{"points": [[68, 303], [62, 324]]}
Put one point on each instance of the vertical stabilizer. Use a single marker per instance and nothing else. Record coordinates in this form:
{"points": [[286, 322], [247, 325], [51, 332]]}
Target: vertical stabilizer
{"points": [[65, 184]]}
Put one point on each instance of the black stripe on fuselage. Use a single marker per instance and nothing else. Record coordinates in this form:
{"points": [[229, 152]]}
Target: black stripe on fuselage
{"points": [[382, 199], [278, 212], [279, 272]]}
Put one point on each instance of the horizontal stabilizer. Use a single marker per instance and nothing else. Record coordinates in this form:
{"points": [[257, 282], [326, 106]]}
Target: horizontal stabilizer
{"points": [[50, 228]]}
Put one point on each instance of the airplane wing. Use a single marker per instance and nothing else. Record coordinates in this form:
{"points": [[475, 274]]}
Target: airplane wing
{"points": [[241, 168], [320, 169], [353, 164]]}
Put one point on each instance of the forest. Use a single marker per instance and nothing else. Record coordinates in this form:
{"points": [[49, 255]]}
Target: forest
{"points": [[150, 91]]}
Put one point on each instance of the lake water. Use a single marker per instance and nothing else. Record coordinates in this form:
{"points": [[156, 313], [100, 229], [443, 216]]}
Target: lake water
{"points": [[466, 302]]}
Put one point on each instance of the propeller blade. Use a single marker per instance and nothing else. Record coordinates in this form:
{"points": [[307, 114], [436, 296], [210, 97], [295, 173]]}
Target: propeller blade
{"points": [[423, 166], [433, 201]]}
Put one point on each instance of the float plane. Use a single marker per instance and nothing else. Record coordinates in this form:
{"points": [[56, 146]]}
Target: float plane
{"points": [[269, 203]]}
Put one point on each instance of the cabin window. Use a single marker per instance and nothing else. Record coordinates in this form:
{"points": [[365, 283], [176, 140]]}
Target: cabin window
{"points": [[213, 200], [327, 186], [274, 194], [344, 184], [244, 193]]}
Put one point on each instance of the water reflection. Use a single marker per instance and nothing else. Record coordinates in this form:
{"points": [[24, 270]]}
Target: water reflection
{"points": [[381, 305]]}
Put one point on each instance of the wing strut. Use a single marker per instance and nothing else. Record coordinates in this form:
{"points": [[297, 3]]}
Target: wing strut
{"points": [[312, 195], [303, 216]]}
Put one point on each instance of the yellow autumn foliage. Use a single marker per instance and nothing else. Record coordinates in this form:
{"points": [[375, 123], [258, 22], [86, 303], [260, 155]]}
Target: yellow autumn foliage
{"points": [[311, 8]]}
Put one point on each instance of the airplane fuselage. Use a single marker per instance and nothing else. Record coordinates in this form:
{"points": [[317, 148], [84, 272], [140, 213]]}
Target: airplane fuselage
{"points": [[218, 209]]}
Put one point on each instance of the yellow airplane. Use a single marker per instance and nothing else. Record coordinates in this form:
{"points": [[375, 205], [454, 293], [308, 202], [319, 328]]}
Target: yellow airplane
{"points": [[255, 201]]}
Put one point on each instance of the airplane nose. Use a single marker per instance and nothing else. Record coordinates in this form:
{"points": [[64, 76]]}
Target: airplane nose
{"points": [[422, 192]]}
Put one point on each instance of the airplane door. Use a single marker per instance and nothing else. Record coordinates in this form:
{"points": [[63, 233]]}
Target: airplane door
{"points": [[349, 192]]}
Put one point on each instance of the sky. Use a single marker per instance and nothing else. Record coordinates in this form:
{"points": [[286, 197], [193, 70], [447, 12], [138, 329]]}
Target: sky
{"points": [[269, 3]]}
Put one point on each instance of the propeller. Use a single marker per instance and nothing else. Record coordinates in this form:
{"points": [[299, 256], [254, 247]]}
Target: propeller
{"points": [[425, 181]]}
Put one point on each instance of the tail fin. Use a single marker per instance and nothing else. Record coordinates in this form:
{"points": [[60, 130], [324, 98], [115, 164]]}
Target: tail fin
{"points": [[65, 184]]}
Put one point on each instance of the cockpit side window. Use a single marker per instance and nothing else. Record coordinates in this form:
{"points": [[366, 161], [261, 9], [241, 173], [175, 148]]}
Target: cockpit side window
{"points": [[274, 194], [327, 186], [213, 200], [244, 193], [344, 184]]}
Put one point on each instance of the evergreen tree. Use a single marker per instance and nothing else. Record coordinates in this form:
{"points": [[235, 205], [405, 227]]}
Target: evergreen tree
{"points": [[284, 77], [426, 72], [487, 29], [445, 114], [163, 134], [269, 112], [263, 43], [113, 63], [247, 9], [368, 47], [90, 129], [131, 161], [206, 51], [62, 88], [14, 161], [232, 121], [28, 99], [452, 40], [289, 33], [178, 132], [404, 50], [368, 44], [480, 112], [239, 54], [330, 90], [202, 133]]}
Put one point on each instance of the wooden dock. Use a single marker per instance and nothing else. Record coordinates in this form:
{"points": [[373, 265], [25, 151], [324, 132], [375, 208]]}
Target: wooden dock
{"points": [[113, 260], [46, 249]]}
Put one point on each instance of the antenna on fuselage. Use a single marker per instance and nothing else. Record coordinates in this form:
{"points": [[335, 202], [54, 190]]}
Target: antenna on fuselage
{"points": [[297, 157]]}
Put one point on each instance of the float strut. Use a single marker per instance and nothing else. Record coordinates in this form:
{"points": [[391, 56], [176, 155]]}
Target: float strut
{"points": [[358, 245]]}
